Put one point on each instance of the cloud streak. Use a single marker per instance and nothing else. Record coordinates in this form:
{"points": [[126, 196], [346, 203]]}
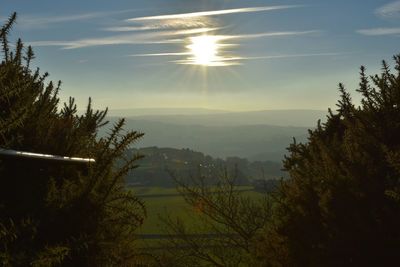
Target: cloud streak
{"points": [[161, 54], [231, 61], [132, 28], [158, 38], [176, 29], [297, 55], [31, 22], [107, 41], [213, 13], [388, 11], [380, 31], [268, 34], [167, 24]]}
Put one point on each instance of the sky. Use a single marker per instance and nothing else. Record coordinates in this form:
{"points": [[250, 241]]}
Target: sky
{"points": [[217, 54]]}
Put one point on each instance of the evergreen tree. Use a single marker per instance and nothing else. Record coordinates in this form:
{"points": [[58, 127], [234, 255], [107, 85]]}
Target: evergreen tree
{"points": [[341, 206], [60, 214]]}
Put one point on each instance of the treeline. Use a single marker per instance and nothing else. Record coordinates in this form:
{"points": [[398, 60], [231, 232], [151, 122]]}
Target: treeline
{"points": [[161, 166]]}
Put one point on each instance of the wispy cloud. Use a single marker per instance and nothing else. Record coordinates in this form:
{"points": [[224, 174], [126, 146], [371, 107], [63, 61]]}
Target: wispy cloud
{"points": [[158, 37], [213, 13], [230, 61], [149, 28], [203, 19], [391, 10], [131, 28], [298, 55], [113, 40], [214, 53], [161, 54], [380, 31], [32, 22], [247, 58], [388, 11], [269, 34], [167, 24], [195, 31], [183, 29], [263, 35], [219, 62]]}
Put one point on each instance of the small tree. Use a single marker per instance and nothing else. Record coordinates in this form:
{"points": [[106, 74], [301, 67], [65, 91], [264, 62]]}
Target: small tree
{"points": [[341, 206], [229, 224], [56, 213]]}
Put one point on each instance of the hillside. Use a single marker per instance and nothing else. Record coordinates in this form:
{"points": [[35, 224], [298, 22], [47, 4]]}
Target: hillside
{"points": [[255, 135], [254, 142], [155, 168]]}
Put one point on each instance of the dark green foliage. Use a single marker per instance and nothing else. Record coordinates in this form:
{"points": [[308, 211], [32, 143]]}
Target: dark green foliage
{"points": [[341, 205], [54, 214]]}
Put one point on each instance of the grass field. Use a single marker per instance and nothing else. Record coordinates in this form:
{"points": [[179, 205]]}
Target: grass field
{"points": [[161, 202], [166, 201]]}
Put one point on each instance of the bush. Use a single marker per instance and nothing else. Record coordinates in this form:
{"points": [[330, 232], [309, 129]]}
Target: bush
{"points": [[341, 206], [58, 213]]}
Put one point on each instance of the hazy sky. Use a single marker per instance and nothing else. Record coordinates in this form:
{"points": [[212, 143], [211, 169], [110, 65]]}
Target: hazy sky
{"points": [[256, 54]]}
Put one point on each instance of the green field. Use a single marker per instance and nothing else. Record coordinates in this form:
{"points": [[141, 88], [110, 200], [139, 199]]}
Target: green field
{"points": [[162, 202], [166, 201]]}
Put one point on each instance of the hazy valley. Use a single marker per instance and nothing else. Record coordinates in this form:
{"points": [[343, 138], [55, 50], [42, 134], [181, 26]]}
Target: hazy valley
{"points": [[259, 135]]}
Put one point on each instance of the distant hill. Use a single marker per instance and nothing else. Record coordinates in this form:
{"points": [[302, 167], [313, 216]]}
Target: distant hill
{"points": [[255, 142], [154, 169], [162, 111], [258, 135], [298, 118]]}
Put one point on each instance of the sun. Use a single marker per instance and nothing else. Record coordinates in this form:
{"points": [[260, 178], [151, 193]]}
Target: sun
{"points": [[208, 51], [204, 49]]}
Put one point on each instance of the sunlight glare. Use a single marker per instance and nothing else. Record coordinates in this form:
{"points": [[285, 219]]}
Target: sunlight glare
{"points": [[204, 49]]}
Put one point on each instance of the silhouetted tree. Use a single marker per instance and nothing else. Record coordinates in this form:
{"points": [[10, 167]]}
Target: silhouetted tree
{"points": [[59, 214], [229, 224], [340, 206]]}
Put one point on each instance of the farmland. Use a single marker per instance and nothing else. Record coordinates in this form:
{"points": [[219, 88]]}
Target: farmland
{"points": [[161, 202]]}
